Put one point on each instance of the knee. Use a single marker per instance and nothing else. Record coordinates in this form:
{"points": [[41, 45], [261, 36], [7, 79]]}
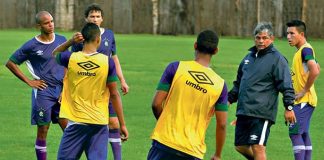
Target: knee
{"points": [[42, 132], [258, 149], [240, 149]]}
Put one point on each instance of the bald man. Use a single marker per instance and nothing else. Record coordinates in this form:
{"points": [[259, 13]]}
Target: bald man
{"points": [[47, 78]]}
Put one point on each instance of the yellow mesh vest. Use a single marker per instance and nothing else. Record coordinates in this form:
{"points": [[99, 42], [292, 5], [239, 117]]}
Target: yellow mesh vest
{"points": [[299, 78], [188, 108], [85, 96]]}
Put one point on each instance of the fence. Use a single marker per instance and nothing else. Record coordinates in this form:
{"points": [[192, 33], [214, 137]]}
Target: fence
{"points": [[227, 17]]}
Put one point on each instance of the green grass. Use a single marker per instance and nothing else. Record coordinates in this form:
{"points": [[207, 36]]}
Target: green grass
{"points": [[143, 59]]}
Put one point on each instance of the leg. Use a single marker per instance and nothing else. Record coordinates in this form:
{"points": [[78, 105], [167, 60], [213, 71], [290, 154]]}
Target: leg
{"points": [[114, 134], [307, 141], [246, 151], [55, 116], [251, 135], [96, 147], [242, 137], [62, 122], [308, 146], [40, 144], [72, 142], [298, 132], [259, 152], [298, 146]]}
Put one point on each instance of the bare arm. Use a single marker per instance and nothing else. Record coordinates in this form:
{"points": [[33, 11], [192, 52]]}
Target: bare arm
{"points": [[157, 104], [77, 38], [39, 84], [314, 71], [124, 86], [117, 105], [221, 120]]}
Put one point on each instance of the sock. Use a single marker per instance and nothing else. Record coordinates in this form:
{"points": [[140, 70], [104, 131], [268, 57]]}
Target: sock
{"points": [[115, 142], [40, 148], [308, 146], [298, 146]]}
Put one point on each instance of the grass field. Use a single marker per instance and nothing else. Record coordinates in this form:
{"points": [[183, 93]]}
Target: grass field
{"points": [[143, 59]]}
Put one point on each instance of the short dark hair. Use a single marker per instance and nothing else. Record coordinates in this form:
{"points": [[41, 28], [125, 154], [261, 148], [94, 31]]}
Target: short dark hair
{"points": [[300, 25], [207, 41], [39, 15], [89, 32], [93, 7]]}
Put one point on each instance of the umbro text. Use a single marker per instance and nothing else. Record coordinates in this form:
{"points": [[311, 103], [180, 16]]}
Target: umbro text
{"points": [[86, 73], [196, 86]]}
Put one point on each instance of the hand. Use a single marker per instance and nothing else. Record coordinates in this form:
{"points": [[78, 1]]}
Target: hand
{"points": [[38, 84], [124, 88], [290, 117], [123, 133], [60, 99], [233, 123], [77, 38], [215, 158], [300, 95]]}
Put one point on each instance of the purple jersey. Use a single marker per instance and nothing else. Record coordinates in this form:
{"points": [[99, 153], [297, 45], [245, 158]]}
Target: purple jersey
{"points": [[107, 46], [167, 78], [307, 54], [40, 61]]}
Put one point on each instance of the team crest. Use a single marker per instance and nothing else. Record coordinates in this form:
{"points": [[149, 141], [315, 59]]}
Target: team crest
{"points": [[41, 112], [106, 42]]}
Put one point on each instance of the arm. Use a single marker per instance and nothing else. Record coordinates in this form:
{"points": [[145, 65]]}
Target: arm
{"points": [[124, 86], [314, 71], [221, 119], [117, 105], [39, 84], [233, 94], [157, 104], [221, 109], [283, 82], [163, 88], [77, 38]]}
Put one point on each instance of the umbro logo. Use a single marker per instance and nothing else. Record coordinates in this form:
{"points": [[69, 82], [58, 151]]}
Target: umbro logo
{"points": [[88, 65], [201, 77], [39, 52], [253, 137], [246, 61]]}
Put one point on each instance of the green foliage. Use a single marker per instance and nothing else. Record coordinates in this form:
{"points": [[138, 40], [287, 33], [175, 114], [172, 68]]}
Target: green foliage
{"points": [[143, 59]]}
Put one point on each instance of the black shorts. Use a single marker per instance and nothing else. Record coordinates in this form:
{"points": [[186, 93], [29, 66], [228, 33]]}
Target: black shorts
{"points": [[252, 130]]}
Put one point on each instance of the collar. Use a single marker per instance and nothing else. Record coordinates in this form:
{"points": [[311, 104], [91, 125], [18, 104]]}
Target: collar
{"points": [[253, 50]]}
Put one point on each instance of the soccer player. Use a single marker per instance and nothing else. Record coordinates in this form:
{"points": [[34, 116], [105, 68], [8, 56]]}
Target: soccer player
{"points": [[188, 95], [90, 80], [94, 14], [47, 78], [305, 70], [262, 74]]}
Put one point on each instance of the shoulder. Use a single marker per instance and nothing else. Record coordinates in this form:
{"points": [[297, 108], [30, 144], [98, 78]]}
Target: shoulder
{"points": [[307, 49], [278, 58], [108, 32], [30, 43], [173, 65], [59, 38]]}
